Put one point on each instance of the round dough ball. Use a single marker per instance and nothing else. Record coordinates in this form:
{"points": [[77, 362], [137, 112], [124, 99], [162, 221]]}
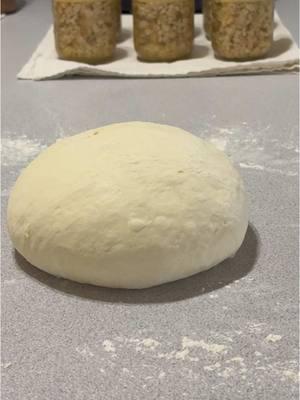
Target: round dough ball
{"points": [[128, 205]]}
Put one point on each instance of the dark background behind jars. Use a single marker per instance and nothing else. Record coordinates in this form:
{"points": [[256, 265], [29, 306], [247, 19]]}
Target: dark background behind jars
{"points": [[126, 5]]}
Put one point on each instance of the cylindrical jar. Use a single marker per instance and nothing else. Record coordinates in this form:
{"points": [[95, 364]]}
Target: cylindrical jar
{"points": [[8, 6], [86, 30], [206, 11], [119, 17], [163, 29], [242, 29]]}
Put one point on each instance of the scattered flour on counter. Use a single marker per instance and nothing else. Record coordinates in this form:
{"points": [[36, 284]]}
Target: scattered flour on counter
{"points": [[273, 338], [180, 355], [10, 281], [168, 356], [255, 148], [150, 346], [198, 358], [131, 340], [84, 350], [108, 346], [19, 151], [212, 347], [238, 360], [6, 365], [224, 338], [285, 371], [220, 143], [5, 192], [150, 343], [55, 119], [227, 372], [257, 328], [212, 367], [292, 375], [161, 375], [251, 166]]}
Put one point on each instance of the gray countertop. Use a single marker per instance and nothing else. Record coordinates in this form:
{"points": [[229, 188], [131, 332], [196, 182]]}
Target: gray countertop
{"points": [[229, 333]]}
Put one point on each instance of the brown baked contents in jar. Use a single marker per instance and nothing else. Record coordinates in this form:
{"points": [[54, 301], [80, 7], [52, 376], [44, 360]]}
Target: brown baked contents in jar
{"points": [[86, 30], [163, 29], [242, 29], [206, 9]]}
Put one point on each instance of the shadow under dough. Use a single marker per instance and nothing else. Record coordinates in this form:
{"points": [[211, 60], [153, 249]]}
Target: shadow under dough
{"points": [[221, 275]]}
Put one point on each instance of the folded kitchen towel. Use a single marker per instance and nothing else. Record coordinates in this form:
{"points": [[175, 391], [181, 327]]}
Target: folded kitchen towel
{"points": [[45, 64]]}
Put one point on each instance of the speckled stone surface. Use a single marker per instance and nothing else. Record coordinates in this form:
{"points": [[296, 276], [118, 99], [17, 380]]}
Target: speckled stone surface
{"points": [[229, 333]]}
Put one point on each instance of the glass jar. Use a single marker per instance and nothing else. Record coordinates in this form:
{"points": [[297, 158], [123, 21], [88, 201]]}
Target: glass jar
{"points": [[119, 17], [163, 29], [86, 30], [206, 11], [242, 29], [8, 6]]}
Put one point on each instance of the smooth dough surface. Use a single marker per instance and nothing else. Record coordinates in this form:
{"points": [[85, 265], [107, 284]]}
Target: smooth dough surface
{"points": [[128, 205]]}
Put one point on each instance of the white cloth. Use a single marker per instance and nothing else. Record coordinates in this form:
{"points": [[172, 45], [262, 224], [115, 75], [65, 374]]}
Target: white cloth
{"points": [[44, 63]]}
